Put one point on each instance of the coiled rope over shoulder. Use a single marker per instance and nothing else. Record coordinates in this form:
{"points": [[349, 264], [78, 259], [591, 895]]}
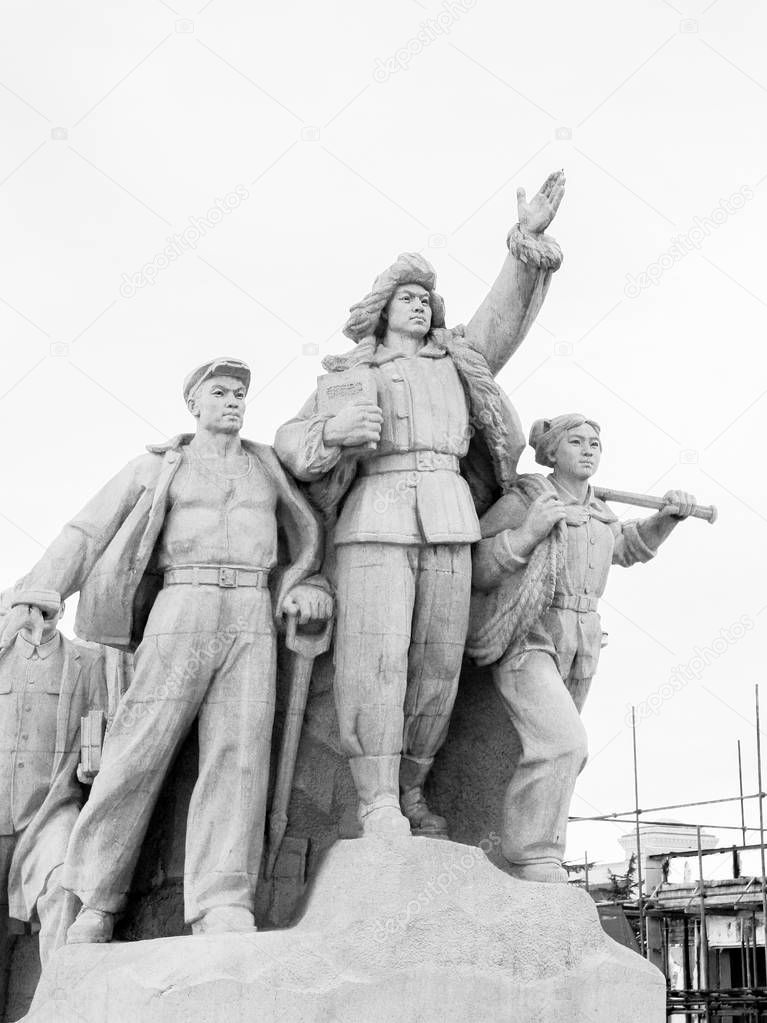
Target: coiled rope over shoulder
{"points": [[500, 619]]}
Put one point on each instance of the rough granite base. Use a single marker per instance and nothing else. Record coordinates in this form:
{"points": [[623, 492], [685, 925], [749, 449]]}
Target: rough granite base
{"points": [[417, 930]]}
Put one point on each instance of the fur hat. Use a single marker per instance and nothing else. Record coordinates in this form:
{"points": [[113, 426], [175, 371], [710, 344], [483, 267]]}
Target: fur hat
{"points": [[410, 268]]}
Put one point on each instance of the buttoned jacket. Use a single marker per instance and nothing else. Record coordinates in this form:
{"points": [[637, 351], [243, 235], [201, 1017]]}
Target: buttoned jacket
{"points": [[43, 843], [572, 635], [479, 351]]}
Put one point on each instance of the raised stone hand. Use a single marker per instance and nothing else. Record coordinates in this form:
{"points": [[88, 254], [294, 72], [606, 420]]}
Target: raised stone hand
{"points": [[354, 425], [21, 618], [536, 215]]}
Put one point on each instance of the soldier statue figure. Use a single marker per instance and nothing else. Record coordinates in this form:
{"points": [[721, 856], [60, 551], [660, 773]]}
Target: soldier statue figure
{"points": [[399, 480]]}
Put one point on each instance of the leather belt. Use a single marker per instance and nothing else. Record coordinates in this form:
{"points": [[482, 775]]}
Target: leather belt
{"points": [[573, 602], [228, 577], [409, 461]]}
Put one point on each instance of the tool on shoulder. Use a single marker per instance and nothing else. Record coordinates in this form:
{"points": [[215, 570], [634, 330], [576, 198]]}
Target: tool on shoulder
{"points": [[305, 647], [699, 511]]}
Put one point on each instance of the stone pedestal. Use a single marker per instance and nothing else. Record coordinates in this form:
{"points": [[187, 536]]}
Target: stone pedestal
{"points": [[414, 931]]}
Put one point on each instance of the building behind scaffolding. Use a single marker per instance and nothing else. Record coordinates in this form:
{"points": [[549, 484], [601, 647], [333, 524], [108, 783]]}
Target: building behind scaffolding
{"points": [[700, 918]]}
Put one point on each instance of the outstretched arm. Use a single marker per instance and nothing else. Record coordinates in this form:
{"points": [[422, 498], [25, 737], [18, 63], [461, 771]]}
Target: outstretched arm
{"points": [[68, 561], [503, 319], [639, 541]]}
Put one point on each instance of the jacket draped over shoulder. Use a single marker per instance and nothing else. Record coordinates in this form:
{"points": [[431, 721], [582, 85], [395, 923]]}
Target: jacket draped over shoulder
{"points": [[107, 550]]}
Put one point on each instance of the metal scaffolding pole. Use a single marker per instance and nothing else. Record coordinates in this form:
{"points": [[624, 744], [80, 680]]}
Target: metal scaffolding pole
{"points": [[670, 806], [642, 943], [761, 821], [742, 805], [703, 970]]}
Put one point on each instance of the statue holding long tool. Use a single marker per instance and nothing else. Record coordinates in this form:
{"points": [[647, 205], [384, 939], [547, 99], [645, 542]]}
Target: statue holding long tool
{"points": [[539, 570], [191, 554]]}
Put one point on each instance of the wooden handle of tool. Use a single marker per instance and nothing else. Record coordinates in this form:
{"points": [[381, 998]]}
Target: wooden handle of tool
{"points": [[699, 511]]}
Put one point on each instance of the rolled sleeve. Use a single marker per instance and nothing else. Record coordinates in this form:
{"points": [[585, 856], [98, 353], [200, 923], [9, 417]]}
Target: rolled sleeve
{"points": [[300, 445], [630, 548], [494, 558]]}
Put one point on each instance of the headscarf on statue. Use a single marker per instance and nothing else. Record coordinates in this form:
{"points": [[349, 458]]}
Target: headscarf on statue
{"points": [[545, 434], [500, 620], [497, 441]]}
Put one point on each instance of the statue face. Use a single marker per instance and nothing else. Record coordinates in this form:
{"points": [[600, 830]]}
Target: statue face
{"points": [[409, 311], [219, 404], [579, 452]]}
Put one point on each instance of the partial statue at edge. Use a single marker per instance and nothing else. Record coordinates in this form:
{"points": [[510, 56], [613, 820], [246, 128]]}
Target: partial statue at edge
{"points": [[47, 686]]}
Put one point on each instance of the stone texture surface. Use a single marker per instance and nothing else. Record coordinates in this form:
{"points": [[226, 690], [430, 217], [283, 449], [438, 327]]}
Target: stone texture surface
{"points": [[416, 930]]}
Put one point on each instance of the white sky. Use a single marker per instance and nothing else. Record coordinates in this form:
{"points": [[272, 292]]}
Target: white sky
{"points": [[655, 109]]}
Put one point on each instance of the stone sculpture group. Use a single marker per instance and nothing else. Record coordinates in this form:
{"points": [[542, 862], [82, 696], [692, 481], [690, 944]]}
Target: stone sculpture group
{"points": [[399, 513]]}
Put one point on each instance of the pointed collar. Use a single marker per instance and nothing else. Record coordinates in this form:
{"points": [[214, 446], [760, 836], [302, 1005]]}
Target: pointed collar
{"points": [[26, 649], [597, 508]]}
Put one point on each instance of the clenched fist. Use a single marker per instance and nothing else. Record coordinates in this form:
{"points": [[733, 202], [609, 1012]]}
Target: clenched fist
{"points": [[678, 504], [542, 515], [310, 603]]}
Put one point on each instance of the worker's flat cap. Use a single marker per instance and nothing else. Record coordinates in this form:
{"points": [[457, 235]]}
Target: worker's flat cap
{"points": [[222, 367]]}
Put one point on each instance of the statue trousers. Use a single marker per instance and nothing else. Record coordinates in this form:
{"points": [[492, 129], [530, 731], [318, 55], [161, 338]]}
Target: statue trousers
{"points": [[545, 711], [56, 908], [403, 613], [207, 653]]}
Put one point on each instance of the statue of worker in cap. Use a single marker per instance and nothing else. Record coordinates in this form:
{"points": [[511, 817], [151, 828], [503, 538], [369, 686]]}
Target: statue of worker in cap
{"points": [[178, 555], [399, 481], [539, 570]]}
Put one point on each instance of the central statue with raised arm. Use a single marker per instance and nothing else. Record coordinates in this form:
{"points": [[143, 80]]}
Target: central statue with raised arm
{"points": [[400, 479]]}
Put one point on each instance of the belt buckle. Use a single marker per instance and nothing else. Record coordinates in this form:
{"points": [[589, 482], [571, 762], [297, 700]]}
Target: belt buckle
{"points": [[227, 578], [424, 460]]}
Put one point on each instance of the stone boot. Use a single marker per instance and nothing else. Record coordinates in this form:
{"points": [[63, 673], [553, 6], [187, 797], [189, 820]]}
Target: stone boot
{"points": [[225, 920], [548, 872], [423, 821], [375, 779], [91, 926]]}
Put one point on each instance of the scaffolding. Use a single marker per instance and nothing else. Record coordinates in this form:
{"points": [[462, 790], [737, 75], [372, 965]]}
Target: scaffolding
{"points": [[731, 988]]}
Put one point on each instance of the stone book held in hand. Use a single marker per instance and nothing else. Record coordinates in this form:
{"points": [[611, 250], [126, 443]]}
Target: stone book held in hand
{"points": [[337, 390], [92, 727]]}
